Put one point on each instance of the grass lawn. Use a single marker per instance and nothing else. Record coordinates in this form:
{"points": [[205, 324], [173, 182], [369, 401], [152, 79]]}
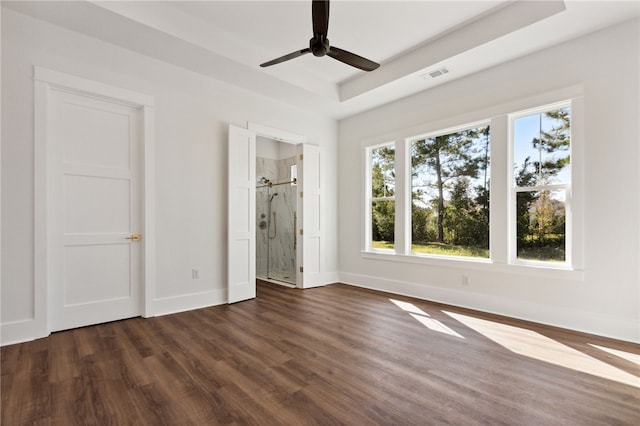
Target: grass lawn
{"points": [[545, 254], [439, 249]]}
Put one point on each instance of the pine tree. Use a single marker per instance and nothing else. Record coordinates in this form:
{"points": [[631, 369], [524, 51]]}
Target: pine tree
{"points": [[438, 163]]}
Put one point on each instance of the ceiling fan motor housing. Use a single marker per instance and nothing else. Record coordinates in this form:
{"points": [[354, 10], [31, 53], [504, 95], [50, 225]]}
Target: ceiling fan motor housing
{"points": [[319, 45]]}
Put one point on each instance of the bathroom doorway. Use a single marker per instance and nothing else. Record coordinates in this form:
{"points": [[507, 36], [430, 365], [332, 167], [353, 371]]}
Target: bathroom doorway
{"points": [[276, 211], [308, 256]]}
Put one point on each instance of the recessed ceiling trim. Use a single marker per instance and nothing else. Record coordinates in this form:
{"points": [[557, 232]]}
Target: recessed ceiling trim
{"points": [[501, 22]]}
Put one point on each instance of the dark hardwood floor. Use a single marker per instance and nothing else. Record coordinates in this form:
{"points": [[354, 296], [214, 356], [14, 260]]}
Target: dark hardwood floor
{"points": [[328, 356]]}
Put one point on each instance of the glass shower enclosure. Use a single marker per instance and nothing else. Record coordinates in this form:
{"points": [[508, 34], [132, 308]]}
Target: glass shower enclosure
{"points": [[276, 220]]}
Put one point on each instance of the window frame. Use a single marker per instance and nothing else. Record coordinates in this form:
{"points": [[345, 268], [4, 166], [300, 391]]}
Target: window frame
{"points": [[500, 241], [408, 142], [370, 199], [514, 190]]}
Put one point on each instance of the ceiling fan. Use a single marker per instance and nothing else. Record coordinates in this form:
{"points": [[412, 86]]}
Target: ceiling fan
{"points": [[319, 44]]}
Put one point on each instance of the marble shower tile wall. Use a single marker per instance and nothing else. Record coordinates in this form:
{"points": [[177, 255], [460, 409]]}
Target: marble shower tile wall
{"points": [[275, 244], [267, 168], [262, 199], [282, 245]]}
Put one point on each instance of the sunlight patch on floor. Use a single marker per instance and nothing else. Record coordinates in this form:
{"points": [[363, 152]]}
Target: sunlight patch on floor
{"points": [[435, 325], [424, 318], [634, 358], [534, 345], [409, 307]]}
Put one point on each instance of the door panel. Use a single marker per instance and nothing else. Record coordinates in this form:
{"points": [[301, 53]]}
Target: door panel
{"points": [[110, 280], [100, 205], [309, 205], [241, 266], [96, 135], [95, 171]]}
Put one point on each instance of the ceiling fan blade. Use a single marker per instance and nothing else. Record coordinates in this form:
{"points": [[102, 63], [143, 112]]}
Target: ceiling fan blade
{"points": [[352, 59], [320, 17], [286, 57]]}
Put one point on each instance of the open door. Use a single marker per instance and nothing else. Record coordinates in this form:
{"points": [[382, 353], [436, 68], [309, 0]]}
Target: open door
{"points": [[241, 264], [309, 228]]}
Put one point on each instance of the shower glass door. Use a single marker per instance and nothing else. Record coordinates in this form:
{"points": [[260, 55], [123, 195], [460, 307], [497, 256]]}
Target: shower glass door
{"points": [[275, 228]]}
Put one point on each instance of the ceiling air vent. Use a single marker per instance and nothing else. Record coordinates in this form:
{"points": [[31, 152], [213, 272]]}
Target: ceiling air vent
{"points": [[436, 73]]}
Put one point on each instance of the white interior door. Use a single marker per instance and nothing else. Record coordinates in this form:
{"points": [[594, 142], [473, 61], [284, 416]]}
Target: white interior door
{"points": [[309, 204], [241, 270], [95, 184]]}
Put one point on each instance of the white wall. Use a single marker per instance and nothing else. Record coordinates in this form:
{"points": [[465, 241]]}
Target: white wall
{"points": [[192, 114], [605, 298], [267, 148]]}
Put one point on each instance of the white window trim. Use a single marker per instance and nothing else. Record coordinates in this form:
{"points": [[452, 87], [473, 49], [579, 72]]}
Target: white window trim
{"points": [[406, 164], [501, 183], [447, 131], [475, 264], [573, 258], [369, 198]]}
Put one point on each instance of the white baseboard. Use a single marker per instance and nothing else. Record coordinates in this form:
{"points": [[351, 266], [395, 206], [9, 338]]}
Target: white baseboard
{"points": [[331, 277], [321, 279], [558, 316], [188, 302], [21, 331], [30, 329]]}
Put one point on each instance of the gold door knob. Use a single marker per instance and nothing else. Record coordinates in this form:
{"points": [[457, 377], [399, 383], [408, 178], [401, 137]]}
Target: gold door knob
{"points": [[134, 237]]}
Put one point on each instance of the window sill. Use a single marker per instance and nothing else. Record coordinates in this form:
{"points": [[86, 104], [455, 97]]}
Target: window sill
{"points": [[478, 264]]}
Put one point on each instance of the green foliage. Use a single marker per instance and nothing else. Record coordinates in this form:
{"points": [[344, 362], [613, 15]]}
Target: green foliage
{"points": [[383, 186], [465, 219], [383, 172], [424, 224], [383, 220], [556, 142]]}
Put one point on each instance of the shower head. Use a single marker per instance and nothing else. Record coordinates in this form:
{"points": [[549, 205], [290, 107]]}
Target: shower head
{"points": [[274, 194]]}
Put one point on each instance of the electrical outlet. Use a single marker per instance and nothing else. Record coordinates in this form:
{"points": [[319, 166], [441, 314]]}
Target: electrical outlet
{"points": [[465, 281], [195, 273]]}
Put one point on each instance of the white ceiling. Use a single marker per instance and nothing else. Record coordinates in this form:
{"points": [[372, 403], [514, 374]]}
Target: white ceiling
{"points": [[227, 40], [376, 29]]}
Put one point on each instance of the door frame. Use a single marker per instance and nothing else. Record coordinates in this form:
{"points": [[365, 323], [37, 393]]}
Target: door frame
{"points": [[293, 139], [45, 206]]}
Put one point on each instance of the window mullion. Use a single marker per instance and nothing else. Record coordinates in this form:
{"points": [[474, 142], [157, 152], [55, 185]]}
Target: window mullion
{"points": [[403, 197], [368, 196], [499, 219], [553, 187]]}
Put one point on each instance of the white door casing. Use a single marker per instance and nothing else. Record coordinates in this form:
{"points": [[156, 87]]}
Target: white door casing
{"points": [[309, 205], [241, 263], [49, 208], [95, 170]]}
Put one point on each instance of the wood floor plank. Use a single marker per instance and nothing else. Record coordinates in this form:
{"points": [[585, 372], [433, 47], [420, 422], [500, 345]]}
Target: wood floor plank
{"points": [[331, 355]]}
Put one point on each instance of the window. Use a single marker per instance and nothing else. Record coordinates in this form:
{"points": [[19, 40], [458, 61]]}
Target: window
{"points": [[502, 190], [450, 193], [382, 197], [541, 184]]}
